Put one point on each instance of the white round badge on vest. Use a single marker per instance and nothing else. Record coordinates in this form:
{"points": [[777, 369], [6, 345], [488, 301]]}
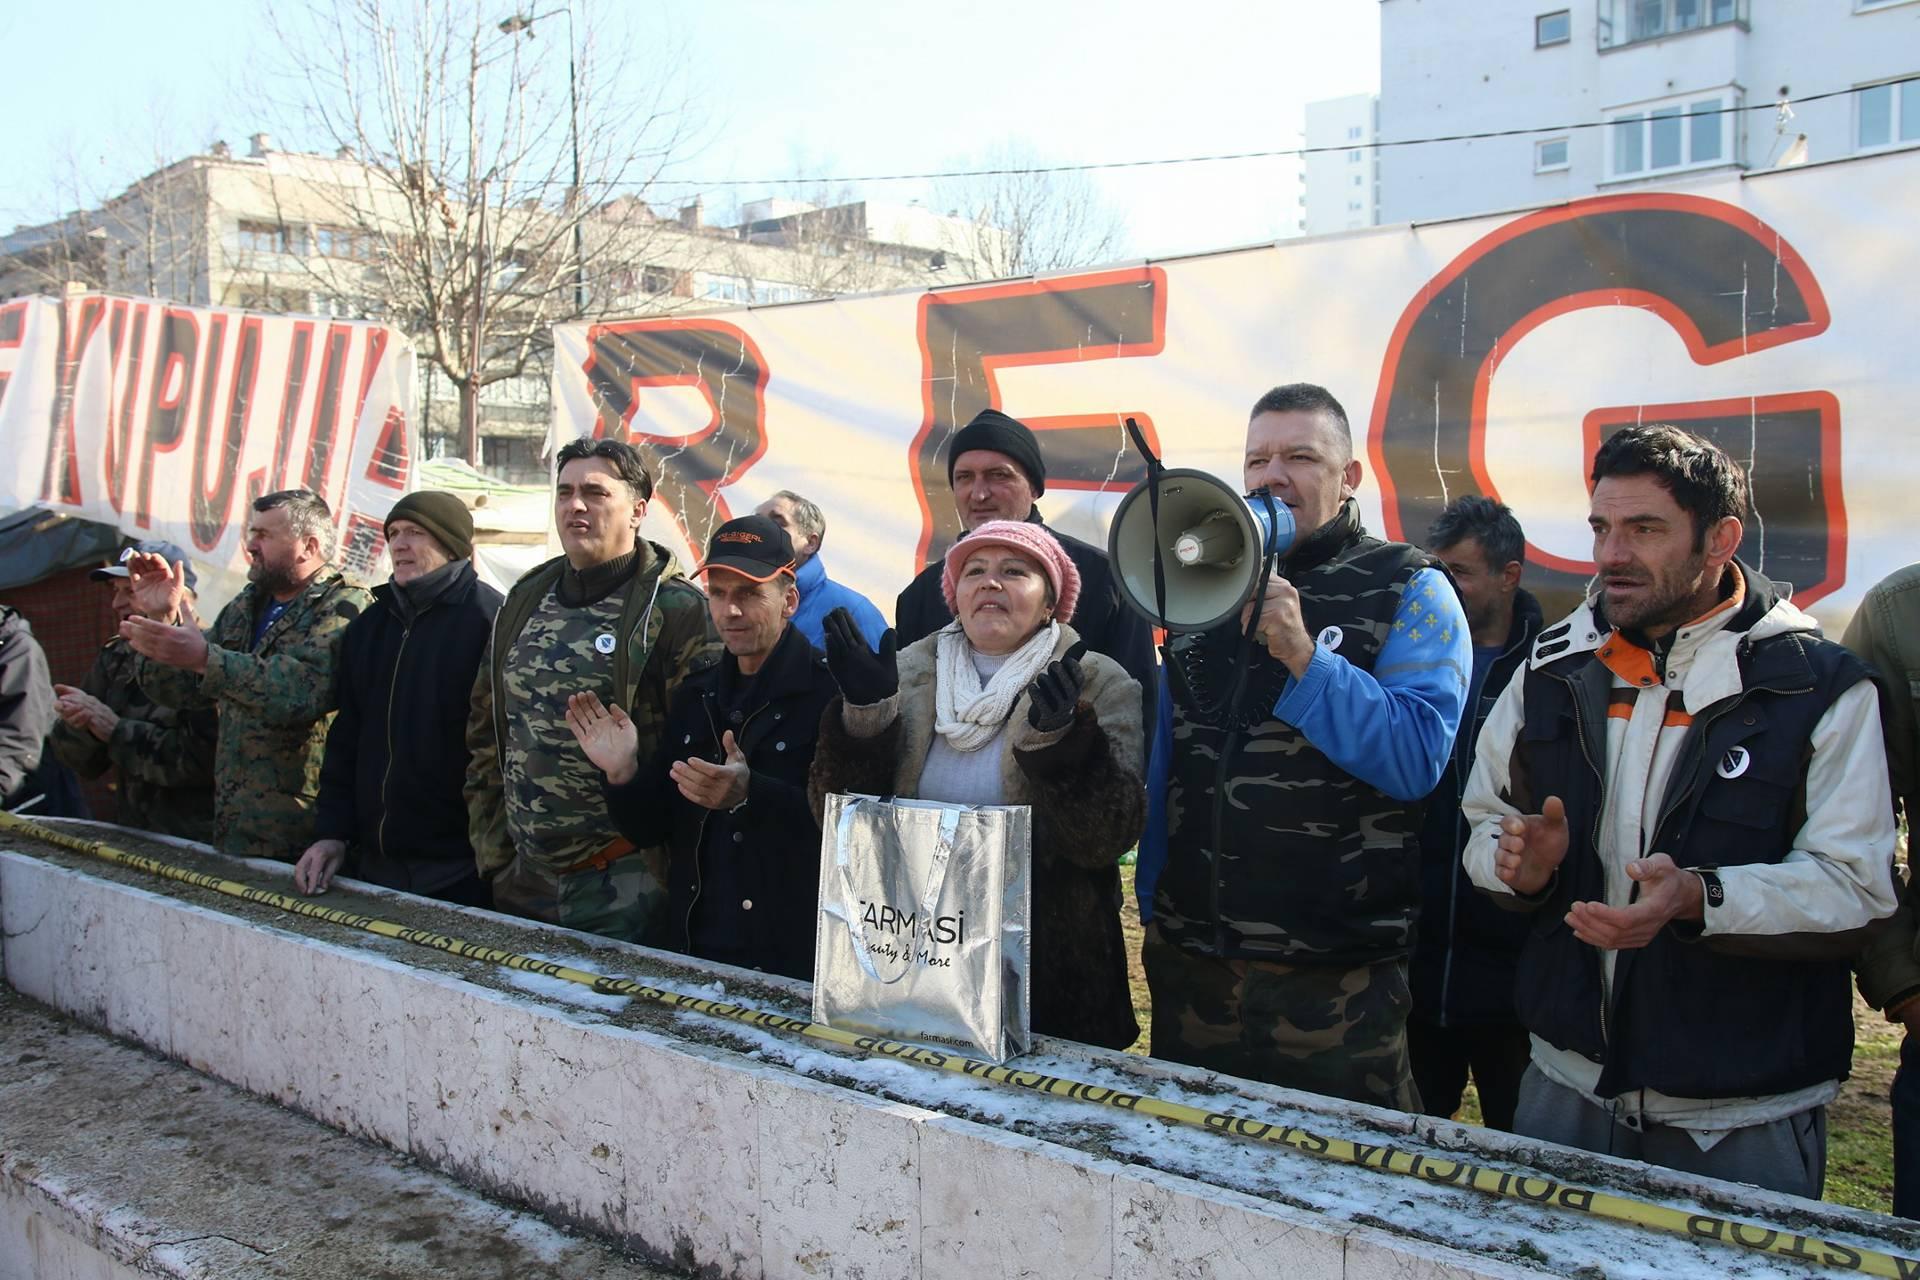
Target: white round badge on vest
{"points": [[604, 642], [1734, 763], [1330, 638]]}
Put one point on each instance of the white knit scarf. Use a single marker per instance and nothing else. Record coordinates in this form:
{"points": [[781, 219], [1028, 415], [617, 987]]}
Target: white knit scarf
{"points": [[965, 713]]}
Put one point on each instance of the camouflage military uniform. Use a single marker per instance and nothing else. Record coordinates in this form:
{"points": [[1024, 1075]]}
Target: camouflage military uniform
{"points": [[164, 758], [275, 701], [538, 818], [1285, 910]]}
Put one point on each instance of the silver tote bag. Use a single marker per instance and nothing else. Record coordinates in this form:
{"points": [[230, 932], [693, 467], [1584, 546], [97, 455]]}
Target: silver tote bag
{"points": [[923, 922]]}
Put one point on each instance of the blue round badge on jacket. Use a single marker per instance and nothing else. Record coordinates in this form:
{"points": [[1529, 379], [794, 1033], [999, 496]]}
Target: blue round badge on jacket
{"points": [[604, 642]]}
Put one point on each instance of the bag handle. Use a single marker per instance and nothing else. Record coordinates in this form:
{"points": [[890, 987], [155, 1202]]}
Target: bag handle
{"points": [[936, 882]]}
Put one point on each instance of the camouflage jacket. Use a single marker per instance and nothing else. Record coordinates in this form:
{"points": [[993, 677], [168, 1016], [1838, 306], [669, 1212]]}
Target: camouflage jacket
{"points": [[663, 634], [164, 757], [275, 701]]}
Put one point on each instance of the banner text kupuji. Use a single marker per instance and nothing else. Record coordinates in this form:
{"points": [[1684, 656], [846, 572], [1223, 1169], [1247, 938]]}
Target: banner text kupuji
{"points": [[168, 420]]}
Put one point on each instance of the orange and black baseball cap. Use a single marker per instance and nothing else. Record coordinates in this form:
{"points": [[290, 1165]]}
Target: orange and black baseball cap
{"points": [[753, 546]]}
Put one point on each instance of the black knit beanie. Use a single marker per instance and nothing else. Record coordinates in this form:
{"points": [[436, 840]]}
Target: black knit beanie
{"points": [[992, 429], [440, 514]]}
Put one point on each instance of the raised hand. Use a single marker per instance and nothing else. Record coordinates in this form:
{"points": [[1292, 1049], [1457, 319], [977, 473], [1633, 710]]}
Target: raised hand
{"points": [[715, 786], [159, 589], [864, 677], [1055, 692], [1531, 847], [173, 646], [607, 735]]}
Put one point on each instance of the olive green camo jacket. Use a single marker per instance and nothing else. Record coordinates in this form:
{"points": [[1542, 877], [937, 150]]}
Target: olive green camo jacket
{"points": [[663, 634], [275, 701]]}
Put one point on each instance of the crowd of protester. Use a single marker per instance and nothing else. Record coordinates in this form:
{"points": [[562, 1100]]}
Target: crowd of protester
{"points": [[1396, 829]]}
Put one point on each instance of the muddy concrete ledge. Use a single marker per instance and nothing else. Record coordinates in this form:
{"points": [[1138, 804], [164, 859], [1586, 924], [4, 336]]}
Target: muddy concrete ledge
{"points": [[117, 1163], [742, 1152]]}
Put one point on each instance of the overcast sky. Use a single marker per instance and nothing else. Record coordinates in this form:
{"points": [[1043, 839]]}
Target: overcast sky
{"points": [[787, 88]]}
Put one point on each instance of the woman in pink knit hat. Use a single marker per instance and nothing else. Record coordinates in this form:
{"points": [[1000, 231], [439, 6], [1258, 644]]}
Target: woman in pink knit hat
{"points": [[1005, 706]]}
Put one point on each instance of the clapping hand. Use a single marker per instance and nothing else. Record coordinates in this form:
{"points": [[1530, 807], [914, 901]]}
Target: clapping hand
{"points": [[1055, 692], [1531, 847], [159, 589], [607, 735], [864, 677], [715, 786], [82, 711]]}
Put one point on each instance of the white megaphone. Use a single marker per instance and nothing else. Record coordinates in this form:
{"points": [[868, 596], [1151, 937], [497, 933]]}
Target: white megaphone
{"points": [[1212, 546]]}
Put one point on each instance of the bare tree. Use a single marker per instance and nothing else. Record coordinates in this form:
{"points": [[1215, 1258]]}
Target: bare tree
{"points": [[150, 238], [488, 176], [1026, 221]]}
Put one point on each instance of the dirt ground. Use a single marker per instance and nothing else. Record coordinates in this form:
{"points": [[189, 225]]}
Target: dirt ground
{"points": [[1859, 1123]]}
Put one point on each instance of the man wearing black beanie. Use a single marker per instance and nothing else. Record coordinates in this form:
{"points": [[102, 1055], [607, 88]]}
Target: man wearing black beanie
{"points": [[391, 810], [995, 470]]}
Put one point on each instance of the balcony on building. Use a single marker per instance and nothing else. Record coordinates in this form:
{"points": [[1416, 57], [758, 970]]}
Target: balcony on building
{"points": [[1624, 23]]}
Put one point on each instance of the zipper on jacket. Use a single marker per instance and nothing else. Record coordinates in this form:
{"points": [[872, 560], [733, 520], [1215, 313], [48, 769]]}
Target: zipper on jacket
{"points": [[1599, 811], [386, 778], [700, 836], [1216, 868]]}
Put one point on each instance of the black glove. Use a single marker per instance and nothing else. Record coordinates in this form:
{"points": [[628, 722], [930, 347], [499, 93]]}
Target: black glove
{"points": [[864, 677], [1054, 694]]}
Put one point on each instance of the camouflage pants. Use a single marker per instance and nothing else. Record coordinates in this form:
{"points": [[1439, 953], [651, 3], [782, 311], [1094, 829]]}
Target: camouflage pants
{"points": [[1339, 1032], [626, 899]]}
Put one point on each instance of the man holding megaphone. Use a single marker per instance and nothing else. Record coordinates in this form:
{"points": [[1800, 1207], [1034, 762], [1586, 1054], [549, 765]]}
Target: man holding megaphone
{"points": [[1297, 735]]}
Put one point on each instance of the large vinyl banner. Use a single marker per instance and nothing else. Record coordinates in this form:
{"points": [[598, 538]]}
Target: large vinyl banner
{"points": [[167, 421], [1774, 312]]}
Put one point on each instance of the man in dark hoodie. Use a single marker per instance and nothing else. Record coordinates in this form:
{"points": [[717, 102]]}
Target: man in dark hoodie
{"points": [[391, 809], [1465, 948], [996, 471]]}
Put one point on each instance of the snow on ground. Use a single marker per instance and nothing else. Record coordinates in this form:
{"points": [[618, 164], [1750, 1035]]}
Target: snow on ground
{"points": [[560, 989]]}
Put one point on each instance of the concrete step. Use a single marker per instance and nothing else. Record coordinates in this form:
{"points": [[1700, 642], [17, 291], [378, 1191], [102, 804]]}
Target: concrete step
{"points": [[115, 1164]]}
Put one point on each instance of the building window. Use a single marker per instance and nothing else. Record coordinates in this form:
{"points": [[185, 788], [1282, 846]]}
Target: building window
{"points": [[1552, 28], [656, 280], [342, 242], [265, 237], [1662, 137], [1357, 179], [1624, 22], [1353, 157], [1353, 133], [1886, 115], [1549, 155]]}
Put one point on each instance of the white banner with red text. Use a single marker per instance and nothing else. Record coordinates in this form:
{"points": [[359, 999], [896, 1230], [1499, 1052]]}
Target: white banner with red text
{"points": [[167, 421]]}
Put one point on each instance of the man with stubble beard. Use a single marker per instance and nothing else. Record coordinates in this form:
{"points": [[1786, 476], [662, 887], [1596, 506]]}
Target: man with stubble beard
{"points": [[613, 616], [1685, 787], [267, 664]]}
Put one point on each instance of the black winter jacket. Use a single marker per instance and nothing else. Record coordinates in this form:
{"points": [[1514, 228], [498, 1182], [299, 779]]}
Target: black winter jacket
{"points": [[743, 887], [1466, 946], [390, 783]]}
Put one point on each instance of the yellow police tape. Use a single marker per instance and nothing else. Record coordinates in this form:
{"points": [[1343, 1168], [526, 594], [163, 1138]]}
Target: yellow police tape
{"points": [[1532, 1188]]}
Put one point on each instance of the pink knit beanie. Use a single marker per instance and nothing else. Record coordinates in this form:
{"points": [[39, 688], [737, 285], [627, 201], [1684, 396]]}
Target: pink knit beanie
{"points": [[1030, 540]]}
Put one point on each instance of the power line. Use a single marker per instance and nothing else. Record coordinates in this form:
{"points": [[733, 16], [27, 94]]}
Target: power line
{"points": [[1273, 154]]}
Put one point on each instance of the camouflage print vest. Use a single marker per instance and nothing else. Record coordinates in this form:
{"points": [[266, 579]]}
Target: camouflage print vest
{"points": [[1273, 851], [555, 810]]}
